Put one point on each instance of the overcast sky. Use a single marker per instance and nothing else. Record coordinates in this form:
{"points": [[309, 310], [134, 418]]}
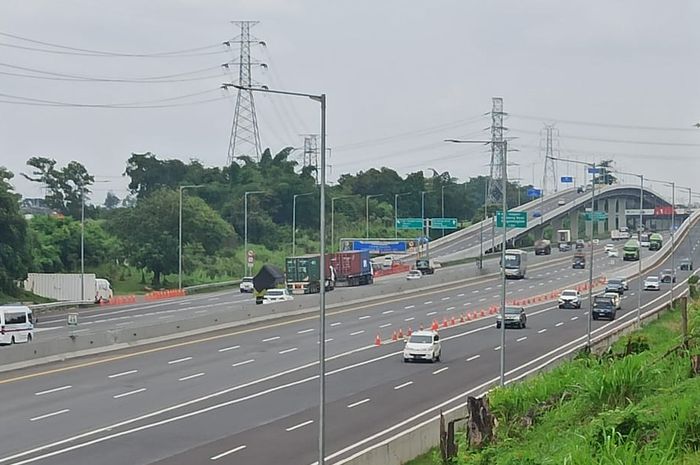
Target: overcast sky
{"points": [[400, 76]]}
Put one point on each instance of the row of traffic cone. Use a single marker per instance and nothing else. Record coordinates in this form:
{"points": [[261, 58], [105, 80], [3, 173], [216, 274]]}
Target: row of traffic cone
{"points": [[119, 300], [156, 295]]}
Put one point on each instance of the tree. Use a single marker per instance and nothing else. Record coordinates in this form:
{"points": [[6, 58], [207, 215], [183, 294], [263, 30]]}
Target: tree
{"points": [[111, 201], [66, 186], [14, 253], [604, 175], [149, 231]]}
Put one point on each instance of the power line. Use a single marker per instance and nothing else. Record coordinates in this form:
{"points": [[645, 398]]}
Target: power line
{"points": [[603, 125], [91, 52], [145, 104], [618, 141]]}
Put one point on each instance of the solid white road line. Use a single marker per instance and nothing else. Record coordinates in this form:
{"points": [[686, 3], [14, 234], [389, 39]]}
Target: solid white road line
{"points": [[118, 396], [53, 414], [49, 391], [360, 402], [224, 454], [401, 386], [385, 325], [357, 332], [473, 357], [304, 331], [521, 339], [165, 316], [179, 360], [440, 370], [270, 339], [542, 331], [123, 373], [245, 362], [226, 349], [286, 351], [300, 425], [196, 375], [559, 324]]}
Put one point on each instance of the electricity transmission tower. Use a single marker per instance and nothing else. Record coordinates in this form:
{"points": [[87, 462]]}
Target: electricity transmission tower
{"points": [[547, 145], [311, 151], [497, 151], [245, 135]]}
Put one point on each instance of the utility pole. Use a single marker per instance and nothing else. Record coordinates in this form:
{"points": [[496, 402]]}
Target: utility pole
{"points": [[245, 135], [82, 242]]}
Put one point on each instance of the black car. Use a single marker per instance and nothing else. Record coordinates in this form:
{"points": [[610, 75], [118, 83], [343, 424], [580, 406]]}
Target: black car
{"points": [[686, 265], [615, 285], [579, 262], [603, 307]]}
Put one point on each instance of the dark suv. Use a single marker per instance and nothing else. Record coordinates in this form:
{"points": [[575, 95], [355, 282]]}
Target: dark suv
{"points": [[603, 307]]}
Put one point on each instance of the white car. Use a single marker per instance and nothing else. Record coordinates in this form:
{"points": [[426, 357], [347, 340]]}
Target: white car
{"points": [[277, 295], [16, 324], [617, 301], [652, 283], [570, 298], [613, 253], [561, 202], [423, 345], [414, 274], [246, 284], [609, 247]]}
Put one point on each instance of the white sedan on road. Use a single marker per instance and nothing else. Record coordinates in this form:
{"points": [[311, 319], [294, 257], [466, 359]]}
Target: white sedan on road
{"points": [[414, 274], [652, 283], [277, 295]]}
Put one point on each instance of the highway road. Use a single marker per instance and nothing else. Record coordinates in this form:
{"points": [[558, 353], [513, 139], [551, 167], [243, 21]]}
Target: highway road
{"points": [[105, 318], [228, 396]]}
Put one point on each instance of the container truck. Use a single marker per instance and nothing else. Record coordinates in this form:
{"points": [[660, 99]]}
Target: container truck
{"points": [[67, 286], [543, 247], [631, 250], [655, 241], [303, 274], [352, 268]]}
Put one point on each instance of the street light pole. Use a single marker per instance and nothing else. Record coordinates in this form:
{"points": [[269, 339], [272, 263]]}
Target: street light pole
{"points": [[426, 228], [367, 197], [179, 234], [321, 99], [294, 222], [672, 185], [593, 170], [82, 242], [245, 228], [396, 212], [442, 206]]}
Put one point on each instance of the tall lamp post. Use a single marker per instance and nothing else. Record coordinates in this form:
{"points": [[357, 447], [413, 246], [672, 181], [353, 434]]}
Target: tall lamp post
{"points": [[367, 197], [504, 188], [321, 99], [294, 222], [245, 227], [593, 170], [672, 185], [396, 213], [426, 228], [639, 238], [333, 199], [179, 234]]}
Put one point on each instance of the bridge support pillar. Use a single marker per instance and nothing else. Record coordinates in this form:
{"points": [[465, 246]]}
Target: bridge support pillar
{"points": [[573, 224], [603, 205], [616, 215]]}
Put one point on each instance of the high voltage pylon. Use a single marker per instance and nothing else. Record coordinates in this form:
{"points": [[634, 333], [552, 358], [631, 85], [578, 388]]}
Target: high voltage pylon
{"points": [[311, 152], [547, 146], [497, 153], [245, 135]]}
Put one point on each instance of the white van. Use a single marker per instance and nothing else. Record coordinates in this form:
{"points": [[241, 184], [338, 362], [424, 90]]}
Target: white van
{"points": [[16, 324], [103, 290]]}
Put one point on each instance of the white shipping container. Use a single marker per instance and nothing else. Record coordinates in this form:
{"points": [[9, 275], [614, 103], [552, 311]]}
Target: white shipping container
{"points": [[61, 286]]}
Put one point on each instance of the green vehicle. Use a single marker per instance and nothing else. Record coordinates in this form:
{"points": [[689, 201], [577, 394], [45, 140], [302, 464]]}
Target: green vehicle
{"points": [[631, 250], [656, 240]]}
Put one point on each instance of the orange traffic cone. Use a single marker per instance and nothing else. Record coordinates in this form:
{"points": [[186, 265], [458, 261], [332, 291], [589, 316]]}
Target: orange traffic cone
{"points": [[409, 332], [394, 337], [377, 340], [434, 326], [400, 333]]}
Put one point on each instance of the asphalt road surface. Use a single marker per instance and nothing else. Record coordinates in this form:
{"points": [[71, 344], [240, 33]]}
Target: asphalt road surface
{"points": [[251, 395]]}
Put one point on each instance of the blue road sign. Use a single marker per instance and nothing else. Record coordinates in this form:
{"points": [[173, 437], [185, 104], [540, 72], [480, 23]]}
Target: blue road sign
{"points": [[593, 170], [533, 193], [567, 179]]}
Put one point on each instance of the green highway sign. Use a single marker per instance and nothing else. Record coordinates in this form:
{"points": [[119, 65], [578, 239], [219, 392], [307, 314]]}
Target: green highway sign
{"points": [[513, 219], [409, 223], [443, 223], [596, 216]]}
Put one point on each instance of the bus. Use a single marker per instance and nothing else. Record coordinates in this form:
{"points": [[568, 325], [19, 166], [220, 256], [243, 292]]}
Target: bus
{"points": [[515, 263]]}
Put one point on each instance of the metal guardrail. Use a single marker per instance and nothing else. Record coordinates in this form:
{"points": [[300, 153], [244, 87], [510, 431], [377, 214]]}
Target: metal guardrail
{"points": [[211, 285], [61, 304]]}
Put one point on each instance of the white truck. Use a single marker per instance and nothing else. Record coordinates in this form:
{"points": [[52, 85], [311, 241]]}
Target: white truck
{"points": [[67, 287], [621, 234], [564, 239]]}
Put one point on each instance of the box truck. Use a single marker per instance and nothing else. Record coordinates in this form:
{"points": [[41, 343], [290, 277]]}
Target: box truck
{"points": [[67, 286]]}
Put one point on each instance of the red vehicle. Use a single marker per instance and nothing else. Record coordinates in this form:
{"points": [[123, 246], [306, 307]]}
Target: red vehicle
{"points": [[352, 268]]}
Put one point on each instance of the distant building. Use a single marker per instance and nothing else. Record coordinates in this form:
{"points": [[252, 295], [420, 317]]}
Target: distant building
{"points": [[33, 207]]}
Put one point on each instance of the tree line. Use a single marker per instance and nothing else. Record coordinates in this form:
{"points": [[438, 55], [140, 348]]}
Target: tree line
{"points": [[141, 231]]}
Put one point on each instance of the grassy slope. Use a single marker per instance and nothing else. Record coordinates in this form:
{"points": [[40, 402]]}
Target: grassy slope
{"points": [[641, 409]]}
